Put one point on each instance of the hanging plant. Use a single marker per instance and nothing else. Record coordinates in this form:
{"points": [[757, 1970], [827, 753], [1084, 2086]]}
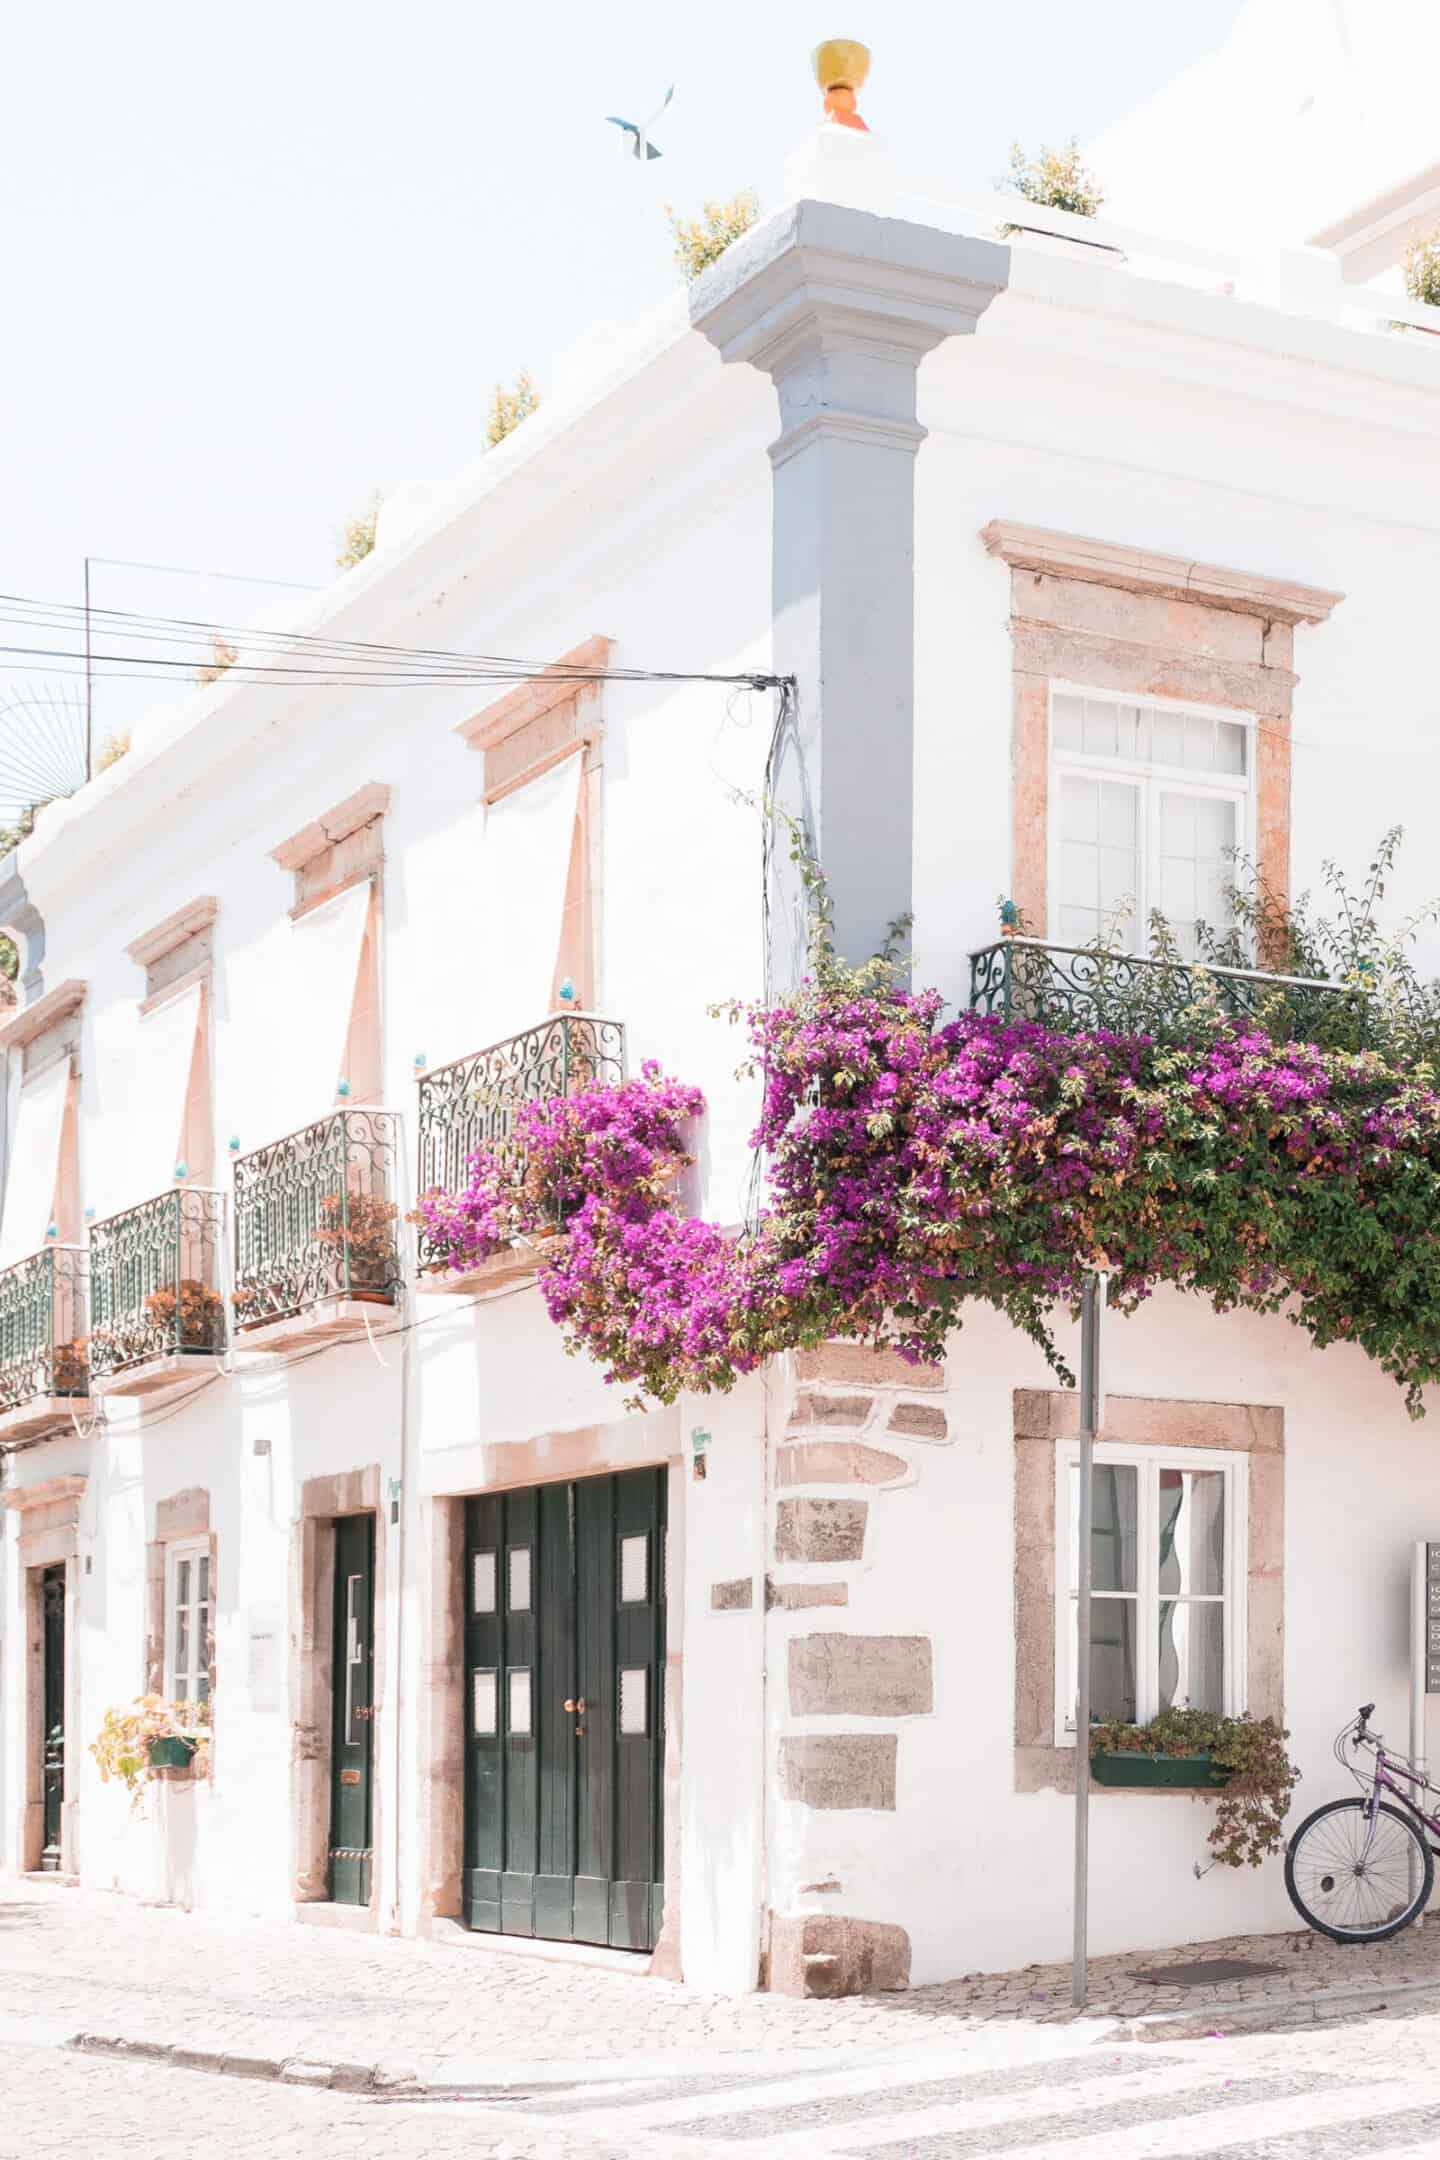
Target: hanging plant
{"points": [[1259, 1777], [135, 1743]]}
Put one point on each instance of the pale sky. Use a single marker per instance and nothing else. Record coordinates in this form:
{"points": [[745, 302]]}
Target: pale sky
{"points": [[259, 261]]}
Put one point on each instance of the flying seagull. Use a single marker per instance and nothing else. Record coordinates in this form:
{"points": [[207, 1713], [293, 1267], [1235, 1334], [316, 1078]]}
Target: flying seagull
{"points": [[642, 146]]}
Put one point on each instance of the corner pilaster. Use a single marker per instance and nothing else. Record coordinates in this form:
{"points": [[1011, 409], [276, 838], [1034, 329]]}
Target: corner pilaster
{"points": [[839, 306]]}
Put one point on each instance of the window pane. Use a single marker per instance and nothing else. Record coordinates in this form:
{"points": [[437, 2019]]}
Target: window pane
{"points": [[203, 1570], [519, 1702], [1230, 746], [1078, 875], [1192, 1656], [1113, 1527], [1192, 1532], [1112, 1657], [482, 1583], [519, 1564], [634, 1569], [1078, 926], [1118, 810], [1199, 743], [1100, 729], [1167, 738], [1127, 730], [483, 1705], [202, 1688], [1079, 808], [182, 1582], [182, 1649], [1066, 722]]}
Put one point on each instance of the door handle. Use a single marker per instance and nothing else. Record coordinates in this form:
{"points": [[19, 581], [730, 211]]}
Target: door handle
{"points": [[361, 1716], [577, 1704]]}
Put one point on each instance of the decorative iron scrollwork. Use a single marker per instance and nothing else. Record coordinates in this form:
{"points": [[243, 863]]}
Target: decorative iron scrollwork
{"points": [[44, 1322], [1081, 988], [155, 1281], [472, 1103], [315, 1218]]}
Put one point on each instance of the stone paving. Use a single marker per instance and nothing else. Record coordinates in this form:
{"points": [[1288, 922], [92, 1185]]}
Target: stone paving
{"points": [[98, 1962]]}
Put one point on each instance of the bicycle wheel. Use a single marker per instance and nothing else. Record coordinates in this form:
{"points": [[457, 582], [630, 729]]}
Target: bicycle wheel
{"points": [[1352, 1885]]}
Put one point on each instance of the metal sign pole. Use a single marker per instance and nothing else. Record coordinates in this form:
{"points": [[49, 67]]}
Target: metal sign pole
{"points": [[1419, 1677], [1092, 1305]]}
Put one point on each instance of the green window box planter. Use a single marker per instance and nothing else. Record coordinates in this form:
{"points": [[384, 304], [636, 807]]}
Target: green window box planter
{"points": [[171, 1752], [1152, 1772]]}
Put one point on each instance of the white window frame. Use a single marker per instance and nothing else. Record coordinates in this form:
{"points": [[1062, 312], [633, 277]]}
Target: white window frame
{"points": [[180, 1688], [1149, 779], [1149, 1459]]}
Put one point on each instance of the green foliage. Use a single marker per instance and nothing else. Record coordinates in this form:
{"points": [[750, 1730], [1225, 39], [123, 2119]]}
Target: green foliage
{"points": [[222, 658], [1057, 178], [112, 750], [357, 537], [509, 407], [121, 1748], [1421, 268], [702, 240], [1250, 1810]]}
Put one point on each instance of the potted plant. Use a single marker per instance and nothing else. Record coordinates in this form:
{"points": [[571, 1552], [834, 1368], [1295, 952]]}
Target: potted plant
{"points": [[70, 1368], [1420, 268], [362, 1225], [1242, 1760], [201, 1315], [150, 1735]]}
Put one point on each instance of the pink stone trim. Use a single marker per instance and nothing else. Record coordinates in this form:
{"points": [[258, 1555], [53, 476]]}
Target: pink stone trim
{"points": [[31, 1021], [483, 730], [1104, 562], [361, 808], [196, 915]]}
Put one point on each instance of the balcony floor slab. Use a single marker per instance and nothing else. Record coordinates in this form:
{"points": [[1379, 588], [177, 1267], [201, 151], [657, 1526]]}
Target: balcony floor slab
{"points": [[168, 1374], [331, 1320], [43, 1414], [516, 1264]]}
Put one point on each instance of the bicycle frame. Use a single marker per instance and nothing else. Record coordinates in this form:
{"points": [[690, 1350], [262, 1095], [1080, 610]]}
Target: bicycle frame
{"points": [[1388, 1773]]}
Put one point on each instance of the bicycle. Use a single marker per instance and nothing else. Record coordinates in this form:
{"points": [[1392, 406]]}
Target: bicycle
{"points": [[1361, 1870]]}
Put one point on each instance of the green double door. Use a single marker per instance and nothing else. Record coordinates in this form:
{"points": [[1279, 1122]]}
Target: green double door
{"points": [[352, 1711], [564, 1707]]}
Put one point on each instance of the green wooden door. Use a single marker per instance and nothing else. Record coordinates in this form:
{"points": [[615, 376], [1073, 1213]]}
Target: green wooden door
{"points": [[565, 1664], [353, 1672], [52, 1710]]}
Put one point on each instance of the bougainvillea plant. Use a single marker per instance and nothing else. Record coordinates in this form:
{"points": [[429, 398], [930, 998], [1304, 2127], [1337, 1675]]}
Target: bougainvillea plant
{"points": [[916, 1164]]}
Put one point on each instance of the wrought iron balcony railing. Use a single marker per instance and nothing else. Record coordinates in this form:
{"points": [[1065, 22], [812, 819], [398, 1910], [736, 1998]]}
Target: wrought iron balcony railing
{"points": [[155, 1286], [44, 1317], [315, 1218], [1080, 987], [472, 1102]]}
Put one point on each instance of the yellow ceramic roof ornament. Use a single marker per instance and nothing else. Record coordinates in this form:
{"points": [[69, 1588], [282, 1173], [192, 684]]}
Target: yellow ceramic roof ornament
{"points": [[841, 66]]}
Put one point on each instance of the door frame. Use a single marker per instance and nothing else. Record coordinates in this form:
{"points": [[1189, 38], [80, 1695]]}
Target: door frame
{"points": [[597, 1452], [322, 1499], [48, 1515]]}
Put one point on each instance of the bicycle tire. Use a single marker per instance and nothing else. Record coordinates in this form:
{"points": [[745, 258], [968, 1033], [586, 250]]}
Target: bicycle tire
{"points": [[1329, 1922]]}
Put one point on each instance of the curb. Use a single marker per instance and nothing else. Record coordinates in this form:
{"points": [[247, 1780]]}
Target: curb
{"points": [[281, 2070], [1223, 2019]]}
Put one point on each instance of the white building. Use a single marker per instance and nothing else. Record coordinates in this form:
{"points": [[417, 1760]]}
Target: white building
{"points": [[793, 1721]]}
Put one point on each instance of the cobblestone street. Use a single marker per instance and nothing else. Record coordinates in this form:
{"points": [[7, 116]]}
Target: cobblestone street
{"points": [[518, 2057]]}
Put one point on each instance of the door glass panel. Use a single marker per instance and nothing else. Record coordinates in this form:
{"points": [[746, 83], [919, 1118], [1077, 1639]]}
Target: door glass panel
{"points": [[354, 1655], [519, 1702], [482, 1582], [634, 1569], [484, 1702], [634, 1701], [1192, 1654], [519, 1567], [1192, 1532]]}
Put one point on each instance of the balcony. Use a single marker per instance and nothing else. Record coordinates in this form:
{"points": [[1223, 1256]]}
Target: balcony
{"points": [[472, 1103], [156, 1301], [317, 1255], [1078, 988], [44, 1313]]}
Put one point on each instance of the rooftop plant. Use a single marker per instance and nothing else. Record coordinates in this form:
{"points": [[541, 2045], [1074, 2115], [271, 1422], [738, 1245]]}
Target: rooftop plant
{"points": [[509, 407], [702, 240], [1420, 266], [1058, 178], [357, 536]]}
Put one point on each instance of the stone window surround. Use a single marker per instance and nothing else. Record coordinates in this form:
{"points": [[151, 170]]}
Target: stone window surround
{"points": [[523, 735], [48, 1536], [1124, 619], [182, 1517], [1043, 1417], [178, 952], [47, 1029], [312, 1573], [340, 848]]}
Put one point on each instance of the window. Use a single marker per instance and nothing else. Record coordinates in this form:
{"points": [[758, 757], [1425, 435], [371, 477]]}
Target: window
{"points": [[187, 1621], [1168, 1570], [1149, 803]]}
